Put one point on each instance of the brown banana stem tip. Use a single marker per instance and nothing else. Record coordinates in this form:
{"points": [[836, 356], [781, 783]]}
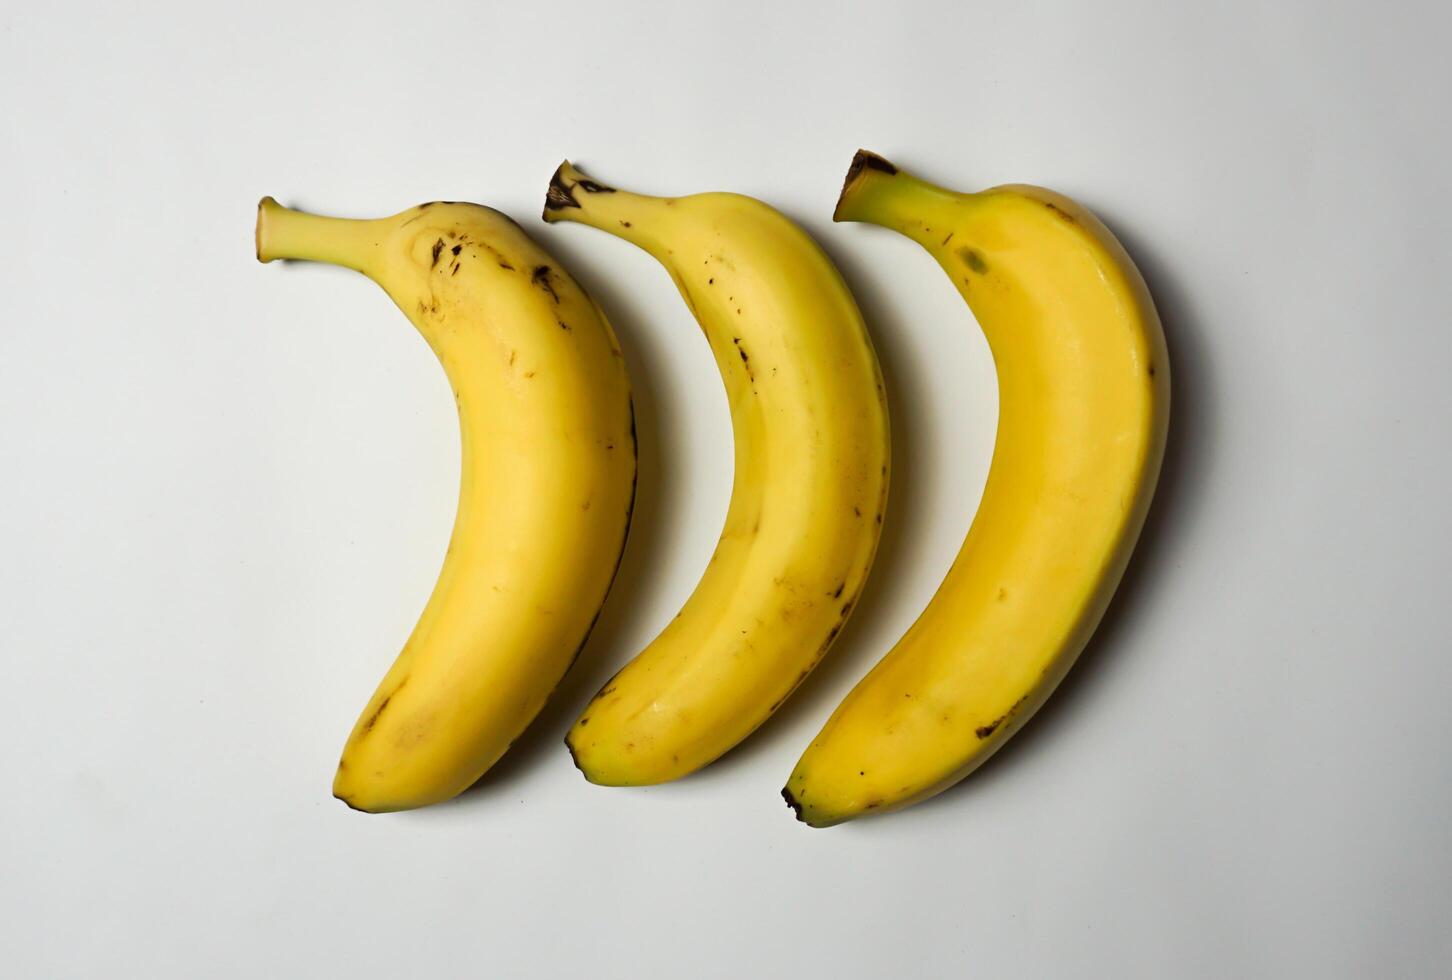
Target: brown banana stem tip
{"points": [[562, 195], [792, 802], [862, 161], [559, 195]]}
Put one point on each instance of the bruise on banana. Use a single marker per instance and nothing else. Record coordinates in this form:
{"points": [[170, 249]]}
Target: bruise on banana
{"points": [[1061, 213], [373, 718], [745, 361], [983, 731], [460, 240], [973, 259], [541, 277]]}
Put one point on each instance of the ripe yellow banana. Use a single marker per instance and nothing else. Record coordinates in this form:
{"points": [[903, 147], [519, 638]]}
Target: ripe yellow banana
{"points": [[548, 480], [1083, 383], [810, 427]]}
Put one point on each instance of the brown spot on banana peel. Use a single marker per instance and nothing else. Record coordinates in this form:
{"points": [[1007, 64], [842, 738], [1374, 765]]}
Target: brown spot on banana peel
{"points": [[498, 255], [745, 360], [974, 259], [983, 731], [421, 209], [1065, 215], [438, 247], [541, 278], [373, 718]]}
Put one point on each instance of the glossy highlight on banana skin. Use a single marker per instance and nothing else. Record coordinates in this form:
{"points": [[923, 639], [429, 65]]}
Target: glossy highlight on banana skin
{"points": [[547, 487], [1084, 391], [810, 427]]}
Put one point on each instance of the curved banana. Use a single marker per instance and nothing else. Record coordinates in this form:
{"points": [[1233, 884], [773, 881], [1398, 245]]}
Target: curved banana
{"points": [[810, 427], [1083, 383], [548, 480]]}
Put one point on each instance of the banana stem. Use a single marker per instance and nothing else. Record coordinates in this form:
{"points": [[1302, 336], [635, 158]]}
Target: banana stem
{"points": [[283, 233], [878, 193], [573, 196]]}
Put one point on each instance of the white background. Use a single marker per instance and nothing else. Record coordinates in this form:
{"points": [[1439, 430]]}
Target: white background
{"points": [[225, 490]]}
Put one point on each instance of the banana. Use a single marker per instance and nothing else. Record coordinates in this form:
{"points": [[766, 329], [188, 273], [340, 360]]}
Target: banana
{"points": [[811, 453], [1083, 382], [547, 485]]}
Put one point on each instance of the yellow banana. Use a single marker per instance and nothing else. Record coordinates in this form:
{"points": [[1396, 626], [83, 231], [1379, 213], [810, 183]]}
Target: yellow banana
{"points": [[810, 427], [548, 480], [1083, 383]]}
